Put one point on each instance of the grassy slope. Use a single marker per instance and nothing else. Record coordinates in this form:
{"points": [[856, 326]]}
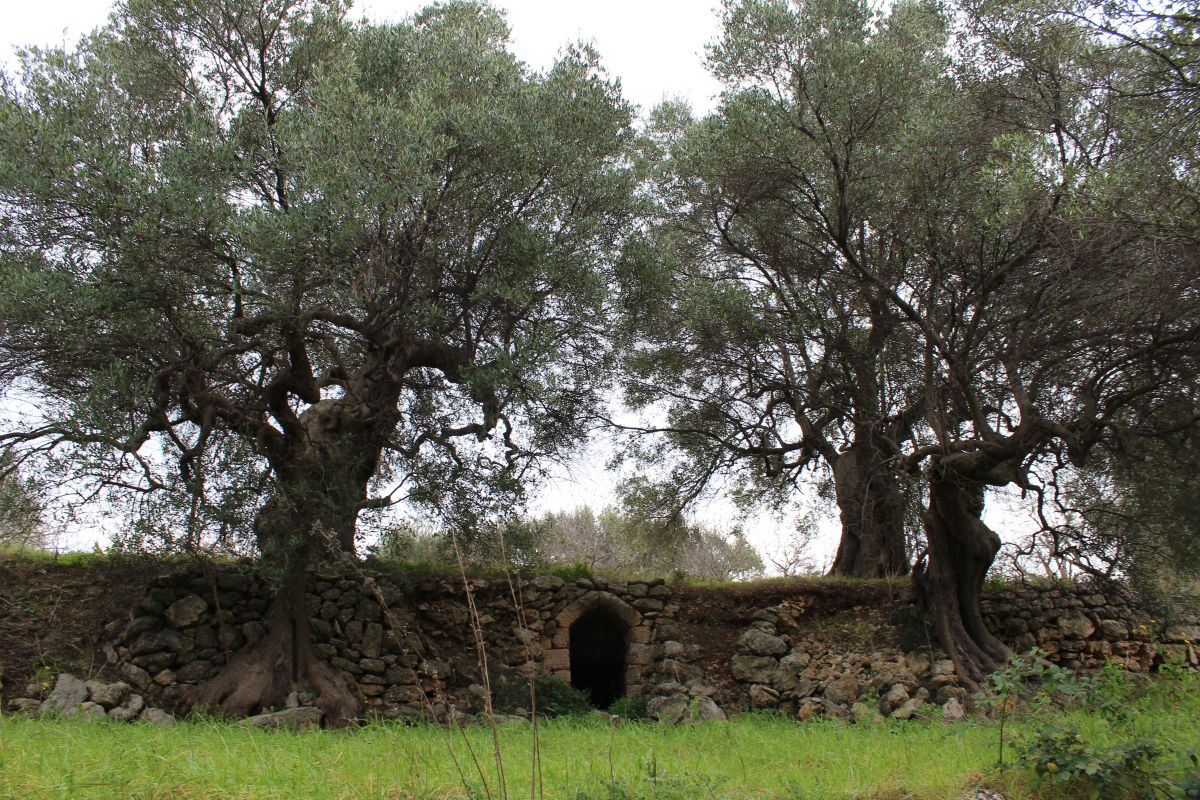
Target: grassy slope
{"points": [[753, 757]]}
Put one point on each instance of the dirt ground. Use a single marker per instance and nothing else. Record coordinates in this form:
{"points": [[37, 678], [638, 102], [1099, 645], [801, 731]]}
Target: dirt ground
{"points": [[53, 613]]}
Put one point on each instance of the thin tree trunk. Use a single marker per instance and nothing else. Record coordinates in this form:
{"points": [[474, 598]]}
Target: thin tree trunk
{"points": [[961, 550]]}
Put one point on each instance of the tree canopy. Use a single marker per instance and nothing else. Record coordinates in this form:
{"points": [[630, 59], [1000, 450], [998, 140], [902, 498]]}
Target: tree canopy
{"points": [[781, 349], [263, 234]]}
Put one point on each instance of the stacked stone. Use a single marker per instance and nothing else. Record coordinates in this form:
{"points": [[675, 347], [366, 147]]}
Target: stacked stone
{"points": [[394, 665], [182, 632], [757, 661], [1081, 627], [416, 657], [799, 676], [176, 637], [638, 604], [679, 692], [415, 652]]}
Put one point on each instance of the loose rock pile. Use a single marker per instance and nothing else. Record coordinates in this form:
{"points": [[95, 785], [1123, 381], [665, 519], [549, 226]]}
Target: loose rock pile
{"points": [[73, 697], [679, 692], [783, 669]]}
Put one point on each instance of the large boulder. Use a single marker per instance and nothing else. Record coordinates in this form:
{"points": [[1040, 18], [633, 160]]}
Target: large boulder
{"points": [[1114, 630], [139, 625], [405, 695], [707, 710], [301, 718], [157, 642], [156, 716], [754, 669], [888, 675], [129, 711], [953, 710], [1076, 626], [895, 697], [668, 710], [761, 643], [186, 611], [677, 709], [109, 695], [763, 696], [843, 690], [864, 713], [909, 707], [67, 695], [194, 671], [90, 711], [547, 583], [1182, 633], [135, 676], [25, 705], [942, 667]]}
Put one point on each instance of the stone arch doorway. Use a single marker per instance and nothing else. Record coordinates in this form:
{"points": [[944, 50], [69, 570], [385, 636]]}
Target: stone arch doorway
{"points": [[599, 648], [636, 634]]}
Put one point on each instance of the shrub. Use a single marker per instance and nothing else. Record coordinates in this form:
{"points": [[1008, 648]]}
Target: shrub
{"points": [[569, 572], [555, 698], [1130, 770], [631, 707]]}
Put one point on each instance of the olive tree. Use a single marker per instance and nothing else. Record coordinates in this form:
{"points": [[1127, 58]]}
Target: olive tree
{"points": [[1055, 298], [940, 233], [294, 269], [774, 354]]}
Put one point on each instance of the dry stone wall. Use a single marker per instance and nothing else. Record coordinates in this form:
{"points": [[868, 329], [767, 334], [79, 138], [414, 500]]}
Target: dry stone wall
{"points": [[409, 645], [412, 655], [1081, 627], [784, 662]]}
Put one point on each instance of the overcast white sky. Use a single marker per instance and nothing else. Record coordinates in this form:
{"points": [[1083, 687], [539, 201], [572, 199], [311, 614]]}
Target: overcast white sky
{"points": [[655, 48]]}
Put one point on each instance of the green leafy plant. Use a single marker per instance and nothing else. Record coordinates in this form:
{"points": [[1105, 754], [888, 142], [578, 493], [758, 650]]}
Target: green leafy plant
{"points": [[569, 572], [1006, 685], [1189, 787], [631, 707], [555, 698], [1131, 769], [1109, 692]]}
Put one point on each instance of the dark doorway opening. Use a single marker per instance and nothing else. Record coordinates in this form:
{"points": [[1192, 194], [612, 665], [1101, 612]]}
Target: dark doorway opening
{"points": [[599, 641]]}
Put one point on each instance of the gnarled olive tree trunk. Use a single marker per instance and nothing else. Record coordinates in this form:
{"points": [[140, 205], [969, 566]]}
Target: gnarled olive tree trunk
{"points": [[321, 484], [872, 513], [961, 550]]}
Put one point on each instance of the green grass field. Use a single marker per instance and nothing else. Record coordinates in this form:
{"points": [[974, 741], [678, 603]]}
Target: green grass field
{"points": [[751, 757]]}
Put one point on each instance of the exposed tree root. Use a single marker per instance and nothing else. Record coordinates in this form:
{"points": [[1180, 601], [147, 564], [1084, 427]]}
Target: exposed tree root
{"points": [[283, 661]]}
